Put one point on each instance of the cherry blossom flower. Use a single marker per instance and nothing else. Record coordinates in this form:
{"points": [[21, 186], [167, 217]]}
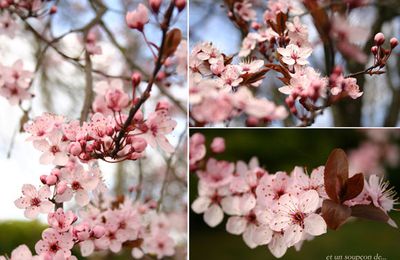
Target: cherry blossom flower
{"points": [[34, 201], [54, 244], [22, 252], [217, 173], [230, 77], [297, 215], [294, 54], [157, 126], [159, 244], [137, 18], [209, 203], [80, 183], [61, 221], [8, 26], [197, 149], [381, 195], [54, 150], [244, 10], [272, 187]]}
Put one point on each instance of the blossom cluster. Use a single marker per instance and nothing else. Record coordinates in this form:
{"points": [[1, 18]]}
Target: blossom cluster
{"points": [[114, 128], [107, 223], [280, 42], [15, 82], [278, 210], [220, 90]]}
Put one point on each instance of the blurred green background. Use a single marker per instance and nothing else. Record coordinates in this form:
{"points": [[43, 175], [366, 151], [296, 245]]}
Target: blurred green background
{"points": [[282, 149]]}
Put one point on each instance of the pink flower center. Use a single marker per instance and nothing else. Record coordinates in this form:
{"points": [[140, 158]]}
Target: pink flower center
{"points": [[54, 149], [160, 245], [298, 218], [251, 218], [54, 247], [76, 185], [35, 202], [216, 198]]}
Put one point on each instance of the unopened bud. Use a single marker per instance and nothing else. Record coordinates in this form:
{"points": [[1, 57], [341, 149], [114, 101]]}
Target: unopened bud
{"points": [[61, 187], [379, 39], [51, 180], [394, 42], [53, 9], [98, 231], [43, 179], [374, 50], [180, 4], [155, 5], [136, 79]]}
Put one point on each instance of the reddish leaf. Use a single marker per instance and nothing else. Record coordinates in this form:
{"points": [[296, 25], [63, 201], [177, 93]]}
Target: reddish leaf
{"points": [[334, 214], [254, 77], [281, 19], [369, 212], [336, 174], [354, 187]]}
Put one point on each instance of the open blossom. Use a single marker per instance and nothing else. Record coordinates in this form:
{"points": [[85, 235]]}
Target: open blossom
{"points": [[217, 173], [296, 216], [160, 244], [34, 201], [8, 26], [157, 126], [22, 252], [381, 195], [294, 54], [137, 18], [209, 202], [60, 220], [207, 52], [54, 150], [244, 10], [54, 244], [272, 187], [78, 182], [346, 85], [230, 77]]}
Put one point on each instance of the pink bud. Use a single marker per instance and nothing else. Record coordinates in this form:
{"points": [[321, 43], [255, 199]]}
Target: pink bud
{"points": [[110, 131], [137, 18], [379, 39], [180, 4], [98, 231], [374, 50], [255, 25], [252, 121], [51, 180], [61, 187], [218, 145], [155, 5], [75, 149], [53, 9], [139, 144], [394, 42], [136, 78], [43, 179]]}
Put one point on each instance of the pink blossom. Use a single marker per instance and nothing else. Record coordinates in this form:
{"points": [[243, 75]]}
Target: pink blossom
{"points": [[34, 201], [18, 76], [137, 18], [217, 173], [209, 203], [296, 215], [244, 10], [381, 195], [272, 187], [80, 183], [218, 145], [54, 150], [230, 78], [157, 126], [8, 26], [294, 54], [54, 244], [159, 244], [22, 252], [61, 221], [197, 149]]}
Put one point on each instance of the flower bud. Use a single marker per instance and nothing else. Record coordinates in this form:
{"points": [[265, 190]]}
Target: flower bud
{"points": [[56, 172], [180, 4], [43, 179], [374, 50], [218, 145], [51, 179], [53, 9], [136, 79], [98, 231], [394, 42], [379, 39], [139, 144], [155, 5], [61, 187], [75, 149]]}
